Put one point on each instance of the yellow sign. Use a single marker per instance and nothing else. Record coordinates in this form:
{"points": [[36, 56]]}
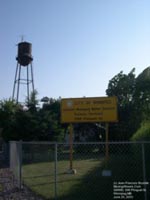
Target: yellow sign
{"points": [[97, 109]]}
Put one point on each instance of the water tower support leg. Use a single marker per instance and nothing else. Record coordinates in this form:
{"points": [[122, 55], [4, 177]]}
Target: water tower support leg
{"points": [[32, 77], [15, 81], [28, 84], [18, 83]]}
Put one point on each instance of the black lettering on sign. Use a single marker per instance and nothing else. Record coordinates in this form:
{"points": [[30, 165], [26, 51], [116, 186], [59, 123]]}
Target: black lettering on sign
{"points": [[78, 118], [79, 114], [108, 108], [68, 109], [102, 102], [94, 109], [91, 113]]}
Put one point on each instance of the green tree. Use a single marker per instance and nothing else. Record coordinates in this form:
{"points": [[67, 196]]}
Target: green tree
{"points": [[8, 109], [32, 101], [142, 95], [18, 123], [133, 102], [123, 86], [51, 111]]}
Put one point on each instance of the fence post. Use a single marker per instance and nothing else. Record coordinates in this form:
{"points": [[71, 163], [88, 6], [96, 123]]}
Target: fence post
{"points": [[144, 171], [10, 153], [20, 163], [56, 151]]}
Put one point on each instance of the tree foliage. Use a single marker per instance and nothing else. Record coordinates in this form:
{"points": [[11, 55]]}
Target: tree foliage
{"points": [[133, 102], [142, 95], [143, 133], [31, 123], [122, 86]]}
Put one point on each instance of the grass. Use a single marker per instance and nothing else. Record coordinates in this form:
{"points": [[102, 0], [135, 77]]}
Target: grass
{"points": [[40, 176], [88, 183]]}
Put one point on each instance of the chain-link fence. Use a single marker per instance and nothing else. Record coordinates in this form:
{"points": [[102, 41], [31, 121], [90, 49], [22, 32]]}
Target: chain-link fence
{"points": [[86, 173], [4, 154]]}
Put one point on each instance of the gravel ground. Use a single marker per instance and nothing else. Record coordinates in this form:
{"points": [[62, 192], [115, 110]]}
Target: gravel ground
{"points": [[9, 190]]}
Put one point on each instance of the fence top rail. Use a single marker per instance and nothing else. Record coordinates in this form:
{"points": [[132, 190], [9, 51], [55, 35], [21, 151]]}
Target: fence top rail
{"points": [[74, 143]]}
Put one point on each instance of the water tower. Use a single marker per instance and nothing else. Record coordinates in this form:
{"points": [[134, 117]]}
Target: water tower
{"points": [[24, 70]]}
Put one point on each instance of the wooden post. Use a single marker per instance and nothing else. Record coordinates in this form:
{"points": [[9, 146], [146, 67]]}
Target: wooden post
{"points": [[71, 146], [107, 145], [106, 171]]}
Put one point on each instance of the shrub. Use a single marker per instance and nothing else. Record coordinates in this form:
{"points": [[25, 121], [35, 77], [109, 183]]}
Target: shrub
{"points": [[143, 133]]}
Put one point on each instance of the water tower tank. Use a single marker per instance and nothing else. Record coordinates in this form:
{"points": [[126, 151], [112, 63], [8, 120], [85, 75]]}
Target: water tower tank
{"points": [[24, 53]]}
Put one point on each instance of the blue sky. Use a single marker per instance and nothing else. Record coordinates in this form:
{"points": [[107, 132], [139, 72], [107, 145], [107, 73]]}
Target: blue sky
{"points": [[77, 45]]}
